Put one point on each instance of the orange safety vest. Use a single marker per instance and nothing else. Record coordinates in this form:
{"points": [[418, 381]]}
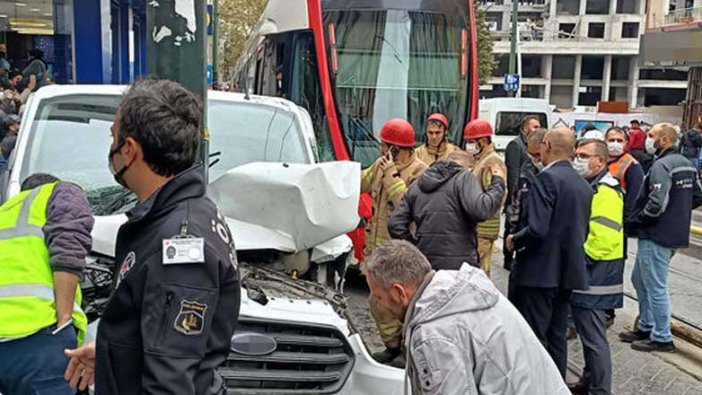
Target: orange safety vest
{"points": [[619, 167]]}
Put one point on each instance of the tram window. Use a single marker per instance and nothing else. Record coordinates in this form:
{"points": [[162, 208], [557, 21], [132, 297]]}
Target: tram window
{"points": [[306, 92]]}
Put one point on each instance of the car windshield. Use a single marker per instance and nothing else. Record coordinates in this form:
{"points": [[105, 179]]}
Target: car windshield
{"points": [[396, 64], [249, 132], [510, 123], [70, 139]]}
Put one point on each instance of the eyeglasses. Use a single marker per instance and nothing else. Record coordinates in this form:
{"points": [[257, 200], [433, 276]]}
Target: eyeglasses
{"points": [[585, 156]]}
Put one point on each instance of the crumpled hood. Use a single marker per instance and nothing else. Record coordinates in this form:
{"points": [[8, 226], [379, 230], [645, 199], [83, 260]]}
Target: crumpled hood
{"points": [[451, 292], [305, 204], [437, 175]]}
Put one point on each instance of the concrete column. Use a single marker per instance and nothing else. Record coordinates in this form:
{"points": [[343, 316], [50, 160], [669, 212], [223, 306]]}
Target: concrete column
{"points": [[606, 77], [506, 21], [552, 8], [583, 7], [633, 89], [576, 78], [613, 7], [547, 67]]}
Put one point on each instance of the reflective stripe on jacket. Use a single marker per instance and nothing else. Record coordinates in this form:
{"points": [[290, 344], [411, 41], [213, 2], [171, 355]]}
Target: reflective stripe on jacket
{"points": [[604, 248], [489, 229], [619, 167], [27, 302], [387, 191]]}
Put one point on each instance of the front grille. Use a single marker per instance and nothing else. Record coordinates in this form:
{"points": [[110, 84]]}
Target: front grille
{"points": [[308, 359]]}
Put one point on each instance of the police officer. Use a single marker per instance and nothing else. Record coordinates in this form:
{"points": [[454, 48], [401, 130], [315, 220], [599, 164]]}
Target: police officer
{"points": [[604, 258], [437, 147], [169, 321], [387, 180], [39, 294], [516, 213], [478, 136]]}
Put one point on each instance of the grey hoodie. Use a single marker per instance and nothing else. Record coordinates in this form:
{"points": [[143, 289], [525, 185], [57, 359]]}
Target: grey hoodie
{"points": [[463, 337]]}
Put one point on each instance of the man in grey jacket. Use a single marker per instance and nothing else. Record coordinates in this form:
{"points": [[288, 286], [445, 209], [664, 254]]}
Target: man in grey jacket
{"points": [[460, 334]]}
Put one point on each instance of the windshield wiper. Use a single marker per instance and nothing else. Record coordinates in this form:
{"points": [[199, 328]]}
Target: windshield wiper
{"points": [[214, 155], [118, 202]]}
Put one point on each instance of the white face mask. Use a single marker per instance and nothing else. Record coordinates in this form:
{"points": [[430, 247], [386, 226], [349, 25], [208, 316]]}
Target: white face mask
{"points": [[581, 166], [472, 148], [650, 146], [615, 148]]}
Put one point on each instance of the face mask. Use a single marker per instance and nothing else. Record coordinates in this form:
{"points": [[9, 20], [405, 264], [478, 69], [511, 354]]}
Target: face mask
{"points": [[581, 166], [472, 148], [651, 146], [117, 175], [615, 148]]}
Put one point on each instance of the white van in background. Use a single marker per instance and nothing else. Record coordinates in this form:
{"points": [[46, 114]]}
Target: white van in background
{"points": [[505, 114]]}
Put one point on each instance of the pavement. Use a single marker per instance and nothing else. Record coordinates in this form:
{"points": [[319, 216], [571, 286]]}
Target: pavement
{"points": [[633, 372]]}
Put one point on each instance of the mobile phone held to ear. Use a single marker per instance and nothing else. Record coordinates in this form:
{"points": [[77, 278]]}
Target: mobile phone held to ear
{"points": [[394, 151]]}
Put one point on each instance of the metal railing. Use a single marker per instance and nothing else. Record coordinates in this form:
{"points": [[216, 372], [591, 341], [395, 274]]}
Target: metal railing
{"points": [[677, 17]]}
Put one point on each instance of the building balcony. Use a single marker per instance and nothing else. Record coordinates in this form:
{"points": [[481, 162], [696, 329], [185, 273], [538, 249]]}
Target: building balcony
{"points": [[582, 46], [675, 19]]}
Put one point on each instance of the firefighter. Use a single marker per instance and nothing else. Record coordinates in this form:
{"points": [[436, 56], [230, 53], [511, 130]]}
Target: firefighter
{"points": [[478, 136], [387, 180], [437, 147]]}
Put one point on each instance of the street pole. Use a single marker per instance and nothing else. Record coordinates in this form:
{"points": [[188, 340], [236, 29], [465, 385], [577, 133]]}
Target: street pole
{"points": [[215, 44], [176, 51], [513, 42]]}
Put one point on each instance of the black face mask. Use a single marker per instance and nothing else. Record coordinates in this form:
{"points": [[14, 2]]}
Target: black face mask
{"points": [[117, 175]]}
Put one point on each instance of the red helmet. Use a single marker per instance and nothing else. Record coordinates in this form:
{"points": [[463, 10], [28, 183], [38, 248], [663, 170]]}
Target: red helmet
{"points": [[438, 117], [476, 129], [398, 132]]}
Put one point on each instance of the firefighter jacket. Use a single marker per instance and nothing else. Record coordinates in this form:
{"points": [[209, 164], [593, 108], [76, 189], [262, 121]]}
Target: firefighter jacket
{"points": [[604, 247], [27, 302], [487, 158], [430, 155], [387, 189]]}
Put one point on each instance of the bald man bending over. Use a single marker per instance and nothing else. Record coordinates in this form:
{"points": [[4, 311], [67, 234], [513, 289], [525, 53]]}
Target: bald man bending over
{"points": [[550, 259]]}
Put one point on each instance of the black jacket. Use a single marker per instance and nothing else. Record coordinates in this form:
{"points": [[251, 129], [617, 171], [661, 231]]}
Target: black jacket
{"points": [[446, 204], [515, 156], [691, 143], [663, 211], [517, 212], [550, 249], [167, 327]]}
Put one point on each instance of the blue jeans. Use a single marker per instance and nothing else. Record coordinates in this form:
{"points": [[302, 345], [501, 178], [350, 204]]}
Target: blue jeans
{"points": [[650, 278], [36, 364]]}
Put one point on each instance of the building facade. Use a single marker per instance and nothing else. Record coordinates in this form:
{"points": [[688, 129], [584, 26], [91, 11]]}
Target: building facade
{"points": [[580, 52], [673, 37], [82, 41]]}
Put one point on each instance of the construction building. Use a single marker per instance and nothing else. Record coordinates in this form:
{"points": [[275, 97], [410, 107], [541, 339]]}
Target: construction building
{"points": [[673, 37], [579, 52]]}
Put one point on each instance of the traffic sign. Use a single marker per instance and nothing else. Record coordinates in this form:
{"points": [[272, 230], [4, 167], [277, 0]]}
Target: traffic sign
{"points": [[512, 82], [209, 74]]}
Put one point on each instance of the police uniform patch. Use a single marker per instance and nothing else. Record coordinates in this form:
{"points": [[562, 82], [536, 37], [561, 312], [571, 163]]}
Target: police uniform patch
{"points": [[127, 265], [191, 318]]}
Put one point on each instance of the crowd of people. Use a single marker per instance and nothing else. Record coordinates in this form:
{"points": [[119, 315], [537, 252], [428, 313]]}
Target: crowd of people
{"points": [[570, 204], [15, 87]]}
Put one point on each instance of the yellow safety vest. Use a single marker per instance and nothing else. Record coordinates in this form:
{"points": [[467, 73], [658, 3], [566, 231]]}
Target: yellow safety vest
{"points": [[605, 240], [27, 302]]}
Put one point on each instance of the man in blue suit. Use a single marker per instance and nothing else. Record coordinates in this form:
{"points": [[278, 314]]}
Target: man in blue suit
{"points": [[550, 259]]}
